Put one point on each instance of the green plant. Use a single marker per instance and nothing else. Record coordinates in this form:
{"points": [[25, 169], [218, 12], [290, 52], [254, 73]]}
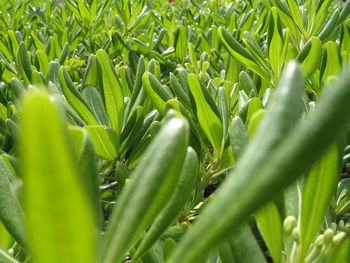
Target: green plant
{"points": [[174, 131]]}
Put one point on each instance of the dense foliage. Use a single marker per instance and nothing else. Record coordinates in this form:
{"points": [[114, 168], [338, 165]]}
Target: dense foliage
{"points": [[174, 131]]}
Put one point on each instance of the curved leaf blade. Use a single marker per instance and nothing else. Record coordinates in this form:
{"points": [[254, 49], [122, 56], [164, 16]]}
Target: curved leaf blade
{"points": [[150, 188], [319, 189], [208, 120], [105, 141], [187, 183], [112, 92]]}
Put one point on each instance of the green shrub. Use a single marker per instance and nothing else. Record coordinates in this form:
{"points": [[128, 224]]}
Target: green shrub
{"points": [[174, 131]]}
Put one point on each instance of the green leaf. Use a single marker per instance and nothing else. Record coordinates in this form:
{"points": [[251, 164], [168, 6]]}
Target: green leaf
{"points": [[154, 254], [254, 122], [173, 104], [295, 13], [255, 49], [224, 113], [320, 15], [208, 120], [91, 76], [73, 7], [282, 113], [180, 91], [6, 240], [13, 41], [276, 43], [87, 161], [312, 61], [43, 62], [181, 43], [319, 189], [149, 189], [64, 54], [121, 174], [74, 98], [38, 79], [125, 80], [104, 140], [133, 129], [136, 89], [292, 200], [158, 94], [193, 58], [345, 40], [294, 156], [238, 137], [11, 213], [332, 66], [52, 75], [344, 12], [241, 247], [112, 92], [247, 84], [329, 27], [23, 64], [16, 87], [254, 105], [139, 127], [268, 218], [168, 247], [38, 44], [341, 253], [237, 51], [287, 19], [182, 193], [270, 227], [5, 52], [55, 200], [93, 99], [232, 70]]}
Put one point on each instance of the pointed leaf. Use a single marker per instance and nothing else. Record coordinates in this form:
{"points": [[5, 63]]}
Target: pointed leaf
{"points": [[159, 95], [181, 43], [95, 103], [105, 141], [275, 45], [319, 189], [23, 64], [270, 226], [237, 51], [150, 188], [187, 183], [112, 92], [208, 119], [74, 98]]}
